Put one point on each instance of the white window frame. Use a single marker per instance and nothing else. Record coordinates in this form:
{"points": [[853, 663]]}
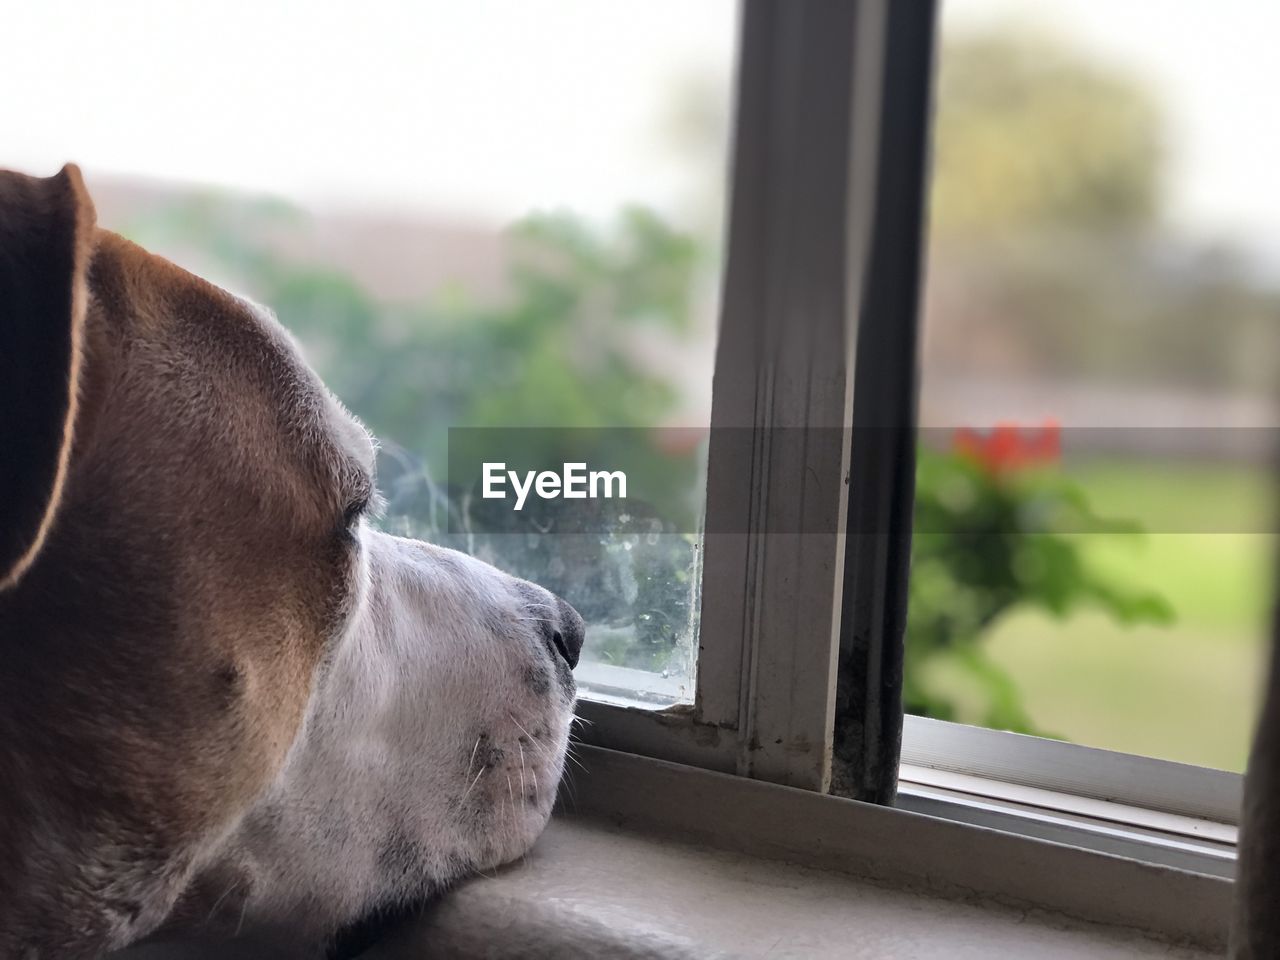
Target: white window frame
{"points": [[799, 237], [798, 229]]}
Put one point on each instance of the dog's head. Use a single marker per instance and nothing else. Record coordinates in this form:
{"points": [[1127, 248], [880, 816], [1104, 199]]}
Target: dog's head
{"points": [[432, 749], [215, 667]]}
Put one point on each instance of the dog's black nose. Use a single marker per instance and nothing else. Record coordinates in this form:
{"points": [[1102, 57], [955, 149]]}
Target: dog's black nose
{"points": [[571, 633]]}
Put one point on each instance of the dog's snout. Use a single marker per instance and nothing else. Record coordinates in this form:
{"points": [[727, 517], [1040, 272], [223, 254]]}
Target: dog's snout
{"points": [[560, 626], [570, 634]]}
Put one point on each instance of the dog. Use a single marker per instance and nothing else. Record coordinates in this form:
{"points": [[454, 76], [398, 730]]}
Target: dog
{"points": [[229, 707]]}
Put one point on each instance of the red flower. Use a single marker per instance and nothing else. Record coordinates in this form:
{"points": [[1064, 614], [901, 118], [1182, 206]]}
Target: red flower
{"points": [[1010, 447], [679, 441]]}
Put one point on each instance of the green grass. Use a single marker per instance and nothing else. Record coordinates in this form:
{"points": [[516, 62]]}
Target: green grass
{"points": [[1185, 692], [1177, 693]]}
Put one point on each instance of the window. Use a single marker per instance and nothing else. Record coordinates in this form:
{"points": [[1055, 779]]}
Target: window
{"points": [[457, 239], [450, 238], [1102, 261], [557, 248]]}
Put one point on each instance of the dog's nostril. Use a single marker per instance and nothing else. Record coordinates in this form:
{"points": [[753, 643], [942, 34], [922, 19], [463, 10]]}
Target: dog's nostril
{"points": [[569, 638], [557, 638]]}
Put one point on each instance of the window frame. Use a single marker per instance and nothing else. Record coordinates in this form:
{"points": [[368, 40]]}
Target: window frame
{"points": [[802, 186], [1150, 783], [820, 141]]}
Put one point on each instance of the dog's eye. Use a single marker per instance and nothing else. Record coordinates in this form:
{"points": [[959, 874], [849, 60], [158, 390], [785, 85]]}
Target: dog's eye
{"points": [[355, 510]]}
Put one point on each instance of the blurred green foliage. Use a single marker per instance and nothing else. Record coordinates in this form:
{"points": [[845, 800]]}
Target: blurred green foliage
{"points": [[990, 542]]}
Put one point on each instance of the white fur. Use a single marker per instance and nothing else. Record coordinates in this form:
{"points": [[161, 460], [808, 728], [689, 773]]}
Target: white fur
{"points": [[430, 748]]}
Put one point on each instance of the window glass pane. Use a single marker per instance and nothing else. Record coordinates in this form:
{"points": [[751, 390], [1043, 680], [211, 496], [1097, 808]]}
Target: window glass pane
{"points": [[490, 214], [1104, 280]]}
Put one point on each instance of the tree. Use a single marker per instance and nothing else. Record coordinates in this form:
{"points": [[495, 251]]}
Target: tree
{"points": [[1033, 134], [1051, 253]]}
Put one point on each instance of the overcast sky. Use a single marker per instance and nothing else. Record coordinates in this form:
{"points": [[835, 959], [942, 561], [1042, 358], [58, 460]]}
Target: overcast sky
{"points": [[487, 109], [481, 108]]}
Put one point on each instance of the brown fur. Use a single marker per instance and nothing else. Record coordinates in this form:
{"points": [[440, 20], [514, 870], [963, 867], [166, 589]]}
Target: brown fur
{"points": [[43, 224], [162, 633]]}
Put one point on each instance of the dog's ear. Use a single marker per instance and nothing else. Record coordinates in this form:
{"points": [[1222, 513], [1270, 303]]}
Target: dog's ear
{"points": [[46, 235]]}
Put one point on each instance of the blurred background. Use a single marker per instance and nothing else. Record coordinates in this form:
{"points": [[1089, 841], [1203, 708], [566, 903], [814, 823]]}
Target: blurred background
{"points": [[491, 214], [511, 214], [1104, 281]]}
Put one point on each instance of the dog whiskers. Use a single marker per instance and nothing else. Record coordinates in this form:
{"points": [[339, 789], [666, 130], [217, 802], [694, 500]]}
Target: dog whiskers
{"points": [[533, 741], [570, 789], [479, 774], [521, 749], [217, 903], [568, 755], [473, 755]]}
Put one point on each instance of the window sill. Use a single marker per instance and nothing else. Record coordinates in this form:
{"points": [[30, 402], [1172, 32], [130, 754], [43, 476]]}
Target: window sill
{"points": [[654, 859], [914, 853], [1200, 846]]}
